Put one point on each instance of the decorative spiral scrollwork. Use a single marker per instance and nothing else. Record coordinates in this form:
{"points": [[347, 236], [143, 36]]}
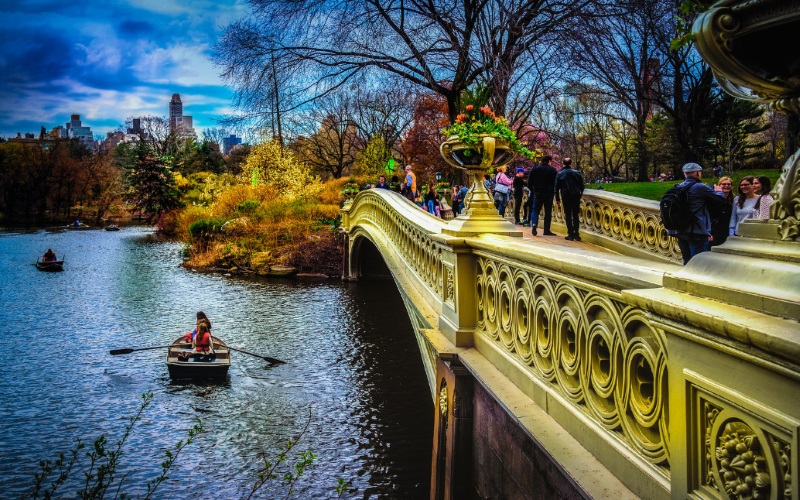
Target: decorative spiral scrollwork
{"points": [[599, 352], [638, 226]]}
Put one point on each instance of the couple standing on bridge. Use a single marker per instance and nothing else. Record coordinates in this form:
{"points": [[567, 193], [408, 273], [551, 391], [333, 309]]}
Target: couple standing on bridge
{"points": [[545, 184]]}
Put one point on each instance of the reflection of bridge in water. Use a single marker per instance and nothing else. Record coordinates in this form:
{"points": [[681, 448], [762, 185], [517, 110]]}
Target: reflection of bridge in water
{"points": [[570, 370]]}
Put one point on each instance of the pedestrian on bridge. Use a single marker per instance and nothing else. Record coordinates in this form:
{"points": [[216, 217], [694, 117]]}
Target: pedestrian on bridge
{"points": [[542, 183], [411, 185], [569, 188], [703, 201]]}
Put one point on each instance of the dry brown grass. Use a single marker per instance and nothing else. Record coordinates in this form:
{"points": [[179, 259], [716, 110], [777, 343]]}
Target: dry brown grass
{"points": [[296, 233]]}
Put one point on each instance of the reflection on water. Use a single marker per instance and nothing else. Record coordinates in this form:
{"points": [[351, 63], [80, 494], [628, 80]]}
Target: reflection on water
{"points": [[351, 360]]}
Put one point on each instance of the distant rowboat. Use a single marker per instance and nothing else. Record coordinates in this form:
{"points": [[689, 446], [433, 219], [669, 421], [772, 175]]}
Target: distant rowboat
{"points": [[53, 265]]}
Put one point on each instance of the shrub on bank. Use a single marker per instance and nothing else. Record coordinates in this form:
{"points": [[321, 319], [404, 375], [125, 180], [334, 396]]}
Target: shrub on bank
{"points": [[252, 228]]}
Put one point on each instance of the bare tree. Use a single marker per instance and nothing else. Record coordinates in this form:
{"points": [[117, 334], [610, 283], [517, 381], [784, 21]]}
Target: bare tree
{"points": [[329, 140], [155, 132], [621, 54], [307, 48], [215, 135]]}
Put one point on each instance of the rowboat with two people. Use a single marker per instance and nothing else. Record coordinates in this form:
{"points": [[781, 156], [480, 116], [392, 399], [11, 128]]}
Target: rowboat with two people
{"points": [[50, 262], [182, 364]]}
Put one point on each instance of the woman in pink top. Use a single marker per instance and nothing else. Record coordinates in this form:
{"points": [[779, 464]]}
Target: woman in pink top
{"points": [[502, 190]]}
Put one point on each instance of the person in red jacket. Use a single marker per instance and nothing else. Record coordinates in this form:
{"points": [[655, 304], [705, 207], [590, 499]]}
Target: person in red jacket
{"points": [[201, 318], [202, 345]]}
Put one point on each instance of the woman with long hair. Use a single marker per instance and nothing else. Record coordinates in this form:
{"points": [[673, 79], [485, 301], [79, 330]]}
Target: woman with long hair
{"points": [[762, 186], [201, 318], [202, 345], [502, 195], [721, 221], [743, 204]]}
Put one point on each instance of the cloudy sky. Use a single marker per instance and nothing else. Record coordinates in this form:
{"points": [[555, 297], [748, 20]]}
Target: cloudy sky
{"points": [[110, 60]]}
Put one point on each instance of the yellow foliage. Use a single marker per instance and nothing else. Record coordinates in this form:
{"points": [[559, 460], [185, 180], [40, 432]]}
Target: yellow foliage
{"points": [[228, 200], [188, 216], [181, 181], [270, 164]]}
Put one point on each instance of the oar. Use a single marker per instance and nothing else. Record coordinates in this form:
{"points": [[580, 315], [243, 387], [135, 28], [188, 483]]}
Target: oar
{"points": [[267, 358], [128, 350]]}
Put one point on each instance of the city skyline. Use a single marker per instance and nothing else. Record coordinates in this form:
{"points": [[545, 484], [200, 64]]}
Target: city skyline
{"points": [[110, 61]]}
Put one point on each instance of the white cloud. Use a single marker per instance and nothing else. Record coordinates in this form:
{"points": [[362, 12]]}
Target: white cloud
{"points": [[182, 65]]}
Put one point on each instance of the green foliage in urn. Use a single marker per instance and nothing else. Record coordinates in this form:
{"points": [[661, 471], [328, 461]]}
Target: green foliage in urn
{"points": [[477, 119], [687, 13], [351, 188], [442, 186]]}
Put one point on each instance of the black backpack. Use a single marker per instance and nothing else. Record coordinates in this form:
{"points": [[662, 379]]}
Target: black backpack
{"points": [[676, 213]]}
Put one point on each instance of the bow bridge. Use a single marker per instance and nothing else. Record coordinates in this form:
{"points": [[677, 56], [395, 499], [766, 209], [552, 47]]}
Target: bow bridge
{"points": [[605, 371]]}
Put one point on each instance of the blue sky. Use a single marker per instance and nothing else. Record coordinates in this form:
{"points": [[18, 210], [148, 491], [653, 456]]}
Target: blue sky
{"points": [[110, 60]]}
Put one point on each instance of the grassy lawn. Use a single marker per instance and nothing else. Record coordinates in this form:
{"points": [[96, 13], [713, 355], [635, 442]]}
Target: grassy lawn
{"points": [[654, 190]]}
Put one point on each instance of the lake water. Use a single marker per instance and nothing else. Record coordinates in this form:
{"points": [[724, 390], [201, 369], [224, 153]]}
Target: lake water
{"points": [[352, 363]]}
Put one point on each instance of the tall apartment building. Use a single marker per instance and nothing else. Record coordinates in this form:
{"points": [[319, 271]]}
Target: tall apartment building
{"points": [[77, 131], [178, 123]]}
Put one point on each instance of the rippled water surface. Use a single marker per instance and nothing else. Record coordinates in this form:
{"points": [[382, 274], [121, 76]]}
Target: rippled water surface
{"points": [[352, 361]]}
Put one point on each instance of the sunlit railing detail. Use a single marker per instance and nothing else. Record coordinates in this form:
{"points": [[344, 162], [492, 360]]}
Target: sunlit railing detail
{"points": [[626, 219], [599, 352], [594, 344]]}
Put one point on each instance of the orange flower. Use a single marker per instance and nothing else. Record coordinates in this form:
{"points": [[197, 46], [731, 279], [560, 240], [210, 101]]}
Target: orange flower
{"points": [[460, 118], [469, 107]]}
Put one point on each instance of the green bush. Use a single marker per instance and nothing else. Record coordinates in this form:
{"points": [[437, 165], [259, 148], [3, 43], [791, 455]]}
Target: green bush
{"points": [[248, 206], [205, 228]]}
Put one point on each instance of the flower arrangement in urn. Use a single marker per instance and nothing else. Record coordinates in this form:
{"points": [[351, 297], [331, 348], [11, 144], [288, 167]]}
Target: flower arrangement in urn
{"points": [[477, 120]]}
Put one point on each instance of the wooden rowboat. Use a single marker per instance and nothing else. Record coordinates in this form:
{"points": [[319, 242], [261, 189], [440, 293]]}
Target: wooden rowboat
{"points": [[193, 369], [53, 265]]}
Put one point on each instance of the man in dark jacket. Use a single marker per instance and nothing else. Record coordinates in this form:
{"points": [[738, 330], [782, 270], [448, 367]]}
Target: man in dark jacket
{"points": [[702, 201], [542, 182], [569, 188]]}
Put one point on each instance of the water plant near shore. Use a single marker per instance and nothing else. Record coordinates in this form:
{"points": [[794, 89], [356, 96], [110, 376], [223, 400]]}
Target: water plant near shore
{"points": [[99, 466]]}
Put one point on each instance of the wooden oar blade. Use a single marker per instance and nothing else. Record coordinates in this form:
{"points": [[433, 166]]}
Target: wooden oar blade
{"points": [[274, 361], [121, 351]]}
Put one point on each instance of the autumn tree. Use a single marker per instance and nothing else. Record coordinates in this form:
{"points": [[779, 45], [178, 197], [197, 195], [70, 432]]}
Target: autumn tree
{"points": [[271, 164], [422, 141]]}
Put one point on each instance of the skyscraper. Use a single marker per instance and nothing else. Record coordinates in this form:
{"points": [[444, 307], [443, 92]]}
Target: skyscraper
{"points": [[175, 113], [179, 124]]}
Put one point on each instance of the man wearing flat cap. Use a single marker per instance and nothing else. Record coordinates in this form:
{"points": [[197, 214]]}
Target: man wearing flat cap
{"points": [[703, 201]]}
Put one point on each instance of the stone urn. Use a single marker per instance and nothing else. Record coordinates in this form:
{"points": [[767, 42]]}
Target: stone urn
{"points": [[479, 214]]}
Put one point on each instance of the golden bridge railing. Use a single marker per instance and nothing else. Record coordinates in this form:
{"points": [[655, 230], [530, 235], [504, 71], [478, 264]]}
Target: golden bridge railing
{"points": [[626, 222], [676, 384]]}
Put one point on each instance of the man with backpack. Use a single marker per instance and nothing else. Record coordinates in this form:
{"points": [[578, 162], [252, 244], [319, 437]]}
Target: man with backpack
{"points": [[686, 211]]}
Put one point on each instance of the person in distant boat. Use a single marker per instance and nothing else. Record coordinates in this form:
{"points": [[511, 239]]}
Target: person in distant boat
{"points": [[49, 256], [77, 223], [202, 345], [201, 318]]}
